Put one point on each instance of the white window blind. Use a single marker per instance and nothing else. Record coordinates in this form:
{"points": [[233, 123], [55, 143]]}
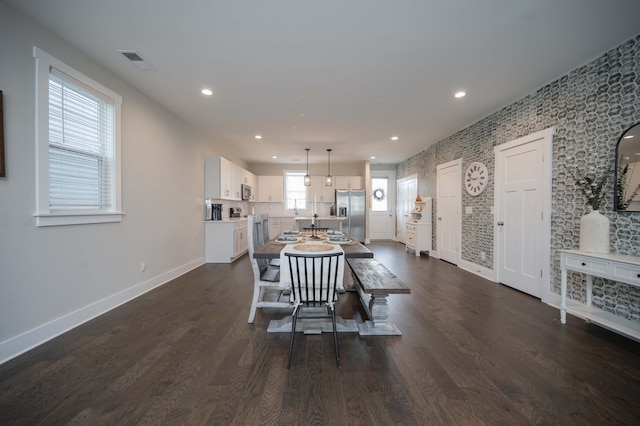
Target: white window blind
{"points": [[296, 192], [78, 167], [81, 146]]}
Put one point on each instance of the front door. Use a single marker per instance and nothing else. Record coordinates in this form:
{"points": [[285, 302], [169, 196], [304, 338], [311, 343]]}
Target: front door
{"points": [[383, 201], [448, 220]]}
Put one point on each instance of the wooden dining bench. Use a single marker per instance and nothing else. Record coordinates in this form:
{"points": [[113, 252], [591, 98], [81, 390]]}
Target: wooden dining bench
{"points": [[375, 283]]}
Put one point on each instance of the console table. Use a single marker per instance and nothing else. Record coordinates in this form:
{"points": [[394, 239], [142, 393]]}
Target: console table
{"points": [[615, 267]]}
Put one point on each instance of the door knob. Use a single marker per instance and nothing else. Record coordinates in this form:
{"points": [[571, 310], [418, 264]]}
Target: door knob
{"points": [[501, 223]]}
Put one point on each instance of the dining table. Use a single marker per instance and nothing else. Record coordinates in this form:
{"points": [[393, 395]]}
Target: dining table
{"points": [[352, 249]]}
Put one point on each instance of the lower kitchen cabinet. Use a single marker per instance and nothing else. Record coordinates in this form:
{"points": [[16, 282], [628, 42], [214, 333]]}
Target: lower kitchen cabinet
{"points": [[225, 240], [277, 225]]}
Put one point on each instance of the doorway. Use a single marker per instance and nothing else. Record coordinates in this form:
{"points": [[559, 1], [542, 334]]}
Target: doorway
{"points": [[523, 212], [383, 201], [448, 219]]}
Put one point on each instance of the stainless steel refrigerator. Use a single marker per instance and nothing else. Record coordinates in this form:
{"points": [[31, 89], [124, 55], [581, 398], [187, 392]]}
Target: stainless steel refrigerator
{"points": [[351, 203]]}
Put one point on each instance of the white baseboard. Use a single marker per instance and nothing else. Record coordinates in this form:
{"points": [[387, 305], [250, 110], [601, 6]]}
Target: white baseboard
{"points": [[551, 299], [24, 342], [478, 270]]}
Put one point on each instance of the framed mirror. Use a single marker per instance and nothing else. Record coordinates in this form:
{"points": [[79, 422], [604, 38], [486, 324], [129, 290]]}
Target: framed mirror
{"points": [[626, 186]]}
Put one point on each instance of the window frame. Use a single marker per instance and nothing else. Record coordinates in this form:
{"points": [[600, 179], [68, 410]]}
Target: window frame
{"points": [[44, 216], [304, 207]]}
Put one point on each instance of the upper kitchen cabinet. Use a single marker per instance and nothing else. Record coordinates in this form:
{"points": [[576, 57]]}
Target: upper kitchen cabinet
{"points": [[349, 182], [250, 179], [320, 192], [223, 179], [270, 189]]}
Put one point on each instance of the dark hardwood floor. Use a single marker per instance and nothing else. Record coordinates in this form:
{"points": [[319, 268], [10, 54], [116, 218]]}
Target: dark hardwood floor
{"points": [[472, 352]]}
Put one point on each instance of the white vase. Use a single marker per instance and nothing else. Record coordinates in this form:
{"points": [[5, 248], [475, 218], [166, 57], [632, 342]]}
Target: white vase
{"points": [[594, 232]]}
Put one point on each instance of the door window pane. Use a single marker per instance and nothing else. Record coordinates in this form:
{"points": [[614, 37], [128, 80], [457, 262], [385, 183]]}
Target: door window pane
{"points": [[379, 194]]}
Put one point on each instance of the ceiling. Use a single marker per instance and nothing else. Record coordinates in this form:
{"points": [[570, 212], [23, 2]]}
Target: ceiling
{"points": [[341, 74]]}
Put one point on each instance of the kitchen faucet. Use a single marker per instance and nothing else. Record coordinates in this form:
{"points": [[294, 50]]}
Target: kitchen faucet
{"points": [[295, 207]]}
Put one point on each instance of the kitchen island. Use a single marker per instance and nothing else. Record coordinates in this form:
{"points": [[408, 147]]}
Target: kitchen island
{"points": [[329, 222]]}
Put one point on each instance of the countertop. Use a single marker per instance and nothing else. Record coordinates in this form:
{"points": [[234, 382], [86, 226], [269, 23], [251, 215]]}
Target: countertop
{"points": [[227, 220], [320, 218]]}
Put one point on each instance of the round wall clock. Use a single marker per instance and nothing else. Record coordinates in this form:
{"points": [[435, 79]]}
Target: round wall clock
{"points": [[476, 178]]}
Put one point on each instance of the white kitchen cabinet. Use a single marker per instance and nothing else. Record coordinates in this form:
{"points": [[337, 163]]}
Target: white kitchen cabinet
{"points": [[236, 182], [270, 189], [348, 182], [225, 240], [222, 179], [214, 187], [250, 179], [240, 245], [277, 225]]}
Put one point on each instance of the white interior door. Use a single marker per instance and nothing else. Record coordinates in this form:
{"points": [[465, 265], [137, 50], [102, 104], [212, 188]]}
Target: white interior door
{"points": [[383, 202], [407, 193], [448, 219], [520, 180]]}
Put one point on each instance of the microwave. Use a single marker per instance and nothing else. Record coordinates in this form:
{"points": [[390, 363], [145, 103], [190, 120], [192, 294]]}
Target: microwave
{"points": [[246, 192]]}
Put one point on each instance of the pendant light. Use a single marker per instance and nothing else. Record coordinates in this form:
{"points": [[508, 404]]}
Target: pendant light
{"points": [[328, 180], [307, 178]]}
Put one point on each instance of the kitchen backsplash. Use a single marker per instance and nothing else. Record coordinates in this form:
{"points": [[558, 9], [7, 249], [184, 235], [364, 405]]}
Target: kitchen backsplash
{"points": [[277, 209]]}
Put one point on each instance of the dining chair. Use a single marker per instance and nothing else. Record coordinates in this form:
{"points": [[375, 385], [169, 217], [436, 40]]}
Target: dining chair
{"points": [[314, 282], [265, 237], [268, 292]]}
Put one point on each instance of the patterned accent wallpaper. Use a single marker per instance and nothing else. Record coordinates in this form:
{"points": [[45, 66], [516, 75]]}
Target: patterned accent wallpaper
{"points": [[590, 108]]}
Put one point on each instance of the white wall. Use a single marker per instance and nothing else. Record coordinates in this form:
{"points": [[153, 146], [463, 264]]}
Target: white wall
{"points": [[52, 279]]}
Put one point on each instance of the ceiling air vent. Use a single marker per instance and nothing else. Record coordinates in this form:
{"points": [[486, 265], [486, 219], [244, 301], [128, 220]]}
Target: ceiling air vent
{"points": [[137, 60]]}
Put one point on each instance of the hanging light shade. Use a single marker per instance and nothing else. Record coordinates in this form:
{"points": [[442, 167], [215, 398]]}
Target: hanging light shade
{"points": [[307, 178], [328, 180]]}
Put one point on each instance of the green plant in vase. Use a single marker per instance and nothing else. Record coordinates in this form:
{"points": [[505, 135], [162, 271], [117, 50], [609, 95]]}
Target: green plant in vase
{"points": [[593, 188]]}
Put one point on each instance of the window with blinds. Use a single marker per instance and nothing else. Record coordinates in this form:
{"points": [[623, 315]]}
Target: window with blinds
{"points": [[78, 145]]}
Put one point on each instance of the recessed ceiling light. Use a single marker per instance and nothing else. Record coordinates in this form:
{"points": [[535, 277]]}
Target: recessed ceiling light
{"points": [[258, 136], [206, 92], [394, 138], [460, 94], [373, 157], [274, 156]]}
